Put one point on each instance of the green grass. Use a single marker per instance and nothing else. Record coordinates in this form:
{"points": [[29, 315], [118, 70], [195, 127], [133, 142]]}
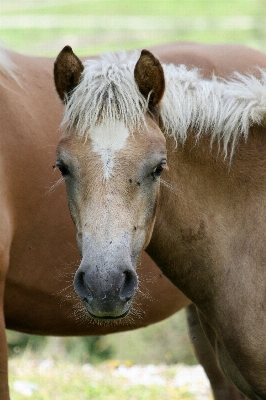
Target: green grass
{"points": [[62, 381], [206, 8], [163, 343], [56, 365], [46, 43], [89, 40]]}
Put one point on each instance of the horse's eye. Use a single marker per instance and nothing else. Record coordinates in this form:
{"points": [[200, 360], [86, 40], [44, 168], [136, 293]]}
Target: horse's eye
{"points": [[62, 168], [157, 171]]}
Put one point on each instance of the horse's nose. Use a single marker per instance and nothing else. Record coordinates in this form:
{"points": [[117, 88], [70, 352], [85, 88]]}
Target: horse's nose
{"points": [[121, 285]]}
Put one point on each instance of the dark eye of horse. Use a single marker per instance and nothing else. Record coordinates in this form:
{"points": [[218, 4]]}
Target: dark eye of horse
{"points": [[156, 173], [62, 168]]}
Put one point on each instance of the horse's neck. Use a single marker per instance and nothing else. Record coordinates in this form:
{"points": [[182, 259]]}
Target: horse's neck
{"points": [[205, 208]]}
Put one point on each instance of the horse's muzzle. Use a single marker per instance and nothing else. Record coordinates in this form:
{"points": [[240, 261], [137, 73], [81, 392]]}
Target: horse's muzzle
{"points": [[106, 293]]}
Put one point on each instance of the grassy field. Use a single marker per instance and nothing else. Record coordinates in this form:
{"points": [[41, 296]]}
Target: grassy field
{"points": [[91, 26], [49, 379], [136, 7], [147, 364], [162, 343]]}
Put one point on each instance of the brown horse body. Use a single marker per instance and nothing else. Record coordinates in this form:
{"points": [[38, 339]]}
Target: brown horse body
{"points": [[38, 249], [203, 223]]}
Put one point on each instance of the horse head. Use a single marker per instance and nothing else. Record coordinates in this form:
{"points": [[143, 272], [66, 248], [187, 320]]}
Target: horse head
{"points": [[111, 155]]}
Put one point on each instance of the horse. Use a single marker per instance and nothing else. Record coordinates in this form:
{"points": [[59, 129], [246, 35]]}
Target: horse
{"points": [[164, 150], [39, 256]]}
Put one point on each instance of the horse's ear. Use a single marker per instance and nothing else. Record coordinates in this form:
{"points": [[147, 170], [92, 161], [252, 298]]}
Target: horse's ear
{"points": [[67, 72], [149, 77]]}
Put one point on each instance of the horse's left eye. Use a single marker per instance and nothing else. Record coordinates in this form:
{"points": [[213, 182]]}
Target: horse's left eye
{"points": [[159, 169]]}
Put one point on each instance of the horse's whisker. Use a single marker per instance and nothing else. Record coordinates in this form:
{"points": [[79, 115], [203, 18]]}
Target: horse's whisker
{"points": [[169, 186], [54, 186]]}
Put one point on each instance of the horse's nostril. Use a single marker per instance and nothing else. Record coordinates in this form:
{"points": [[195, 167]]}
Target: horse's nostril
{"points": [[81, 287], [129, 285]]}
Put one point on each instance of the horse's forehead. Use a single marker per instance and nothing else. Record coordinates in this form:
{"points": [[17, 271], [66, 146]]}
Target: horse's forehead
{"points": [[112, 142], [106, 140], [109, 137]]}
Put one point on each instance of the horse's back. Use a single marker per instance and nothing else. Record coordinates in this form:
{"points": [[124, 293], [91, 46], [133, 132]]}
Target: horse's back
{"points": [[220, 59]]}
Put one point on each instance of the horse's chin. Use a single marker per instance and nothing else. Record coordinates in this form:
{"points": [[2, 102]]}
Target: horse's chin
{"points": [[108, 317]]}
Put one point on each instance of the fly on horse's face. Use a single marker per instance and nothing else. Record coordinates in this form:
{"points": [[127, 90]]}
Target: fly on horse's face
{"points": [[112, 178]]}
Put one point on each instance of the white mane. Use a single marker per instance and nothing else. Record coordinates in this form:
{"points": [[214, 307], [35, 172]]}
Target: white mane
{"points": [[107, 93], [223, 109]]}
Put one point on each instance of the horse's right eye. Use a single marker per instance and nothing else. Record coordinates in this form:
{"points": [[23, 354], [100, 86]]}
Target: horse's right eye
{"points": [[62, 168]]}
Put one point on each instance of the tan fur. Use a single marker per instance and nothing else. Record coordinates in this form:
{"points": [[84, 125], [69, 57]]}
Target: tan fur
{"points": [[207, 235], [38, 246], [38, 250], [220, 269]]}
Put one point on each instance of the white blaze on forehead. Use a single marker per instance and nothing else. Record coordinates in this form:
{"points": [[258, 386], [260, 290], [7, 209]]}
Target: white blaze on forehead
{"points": [[106, 140]]}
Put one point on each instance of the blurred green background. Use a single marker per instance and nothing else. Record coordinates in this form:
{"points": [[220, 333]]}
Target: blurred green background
{"points": [[165, 342], [93, 26]]}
